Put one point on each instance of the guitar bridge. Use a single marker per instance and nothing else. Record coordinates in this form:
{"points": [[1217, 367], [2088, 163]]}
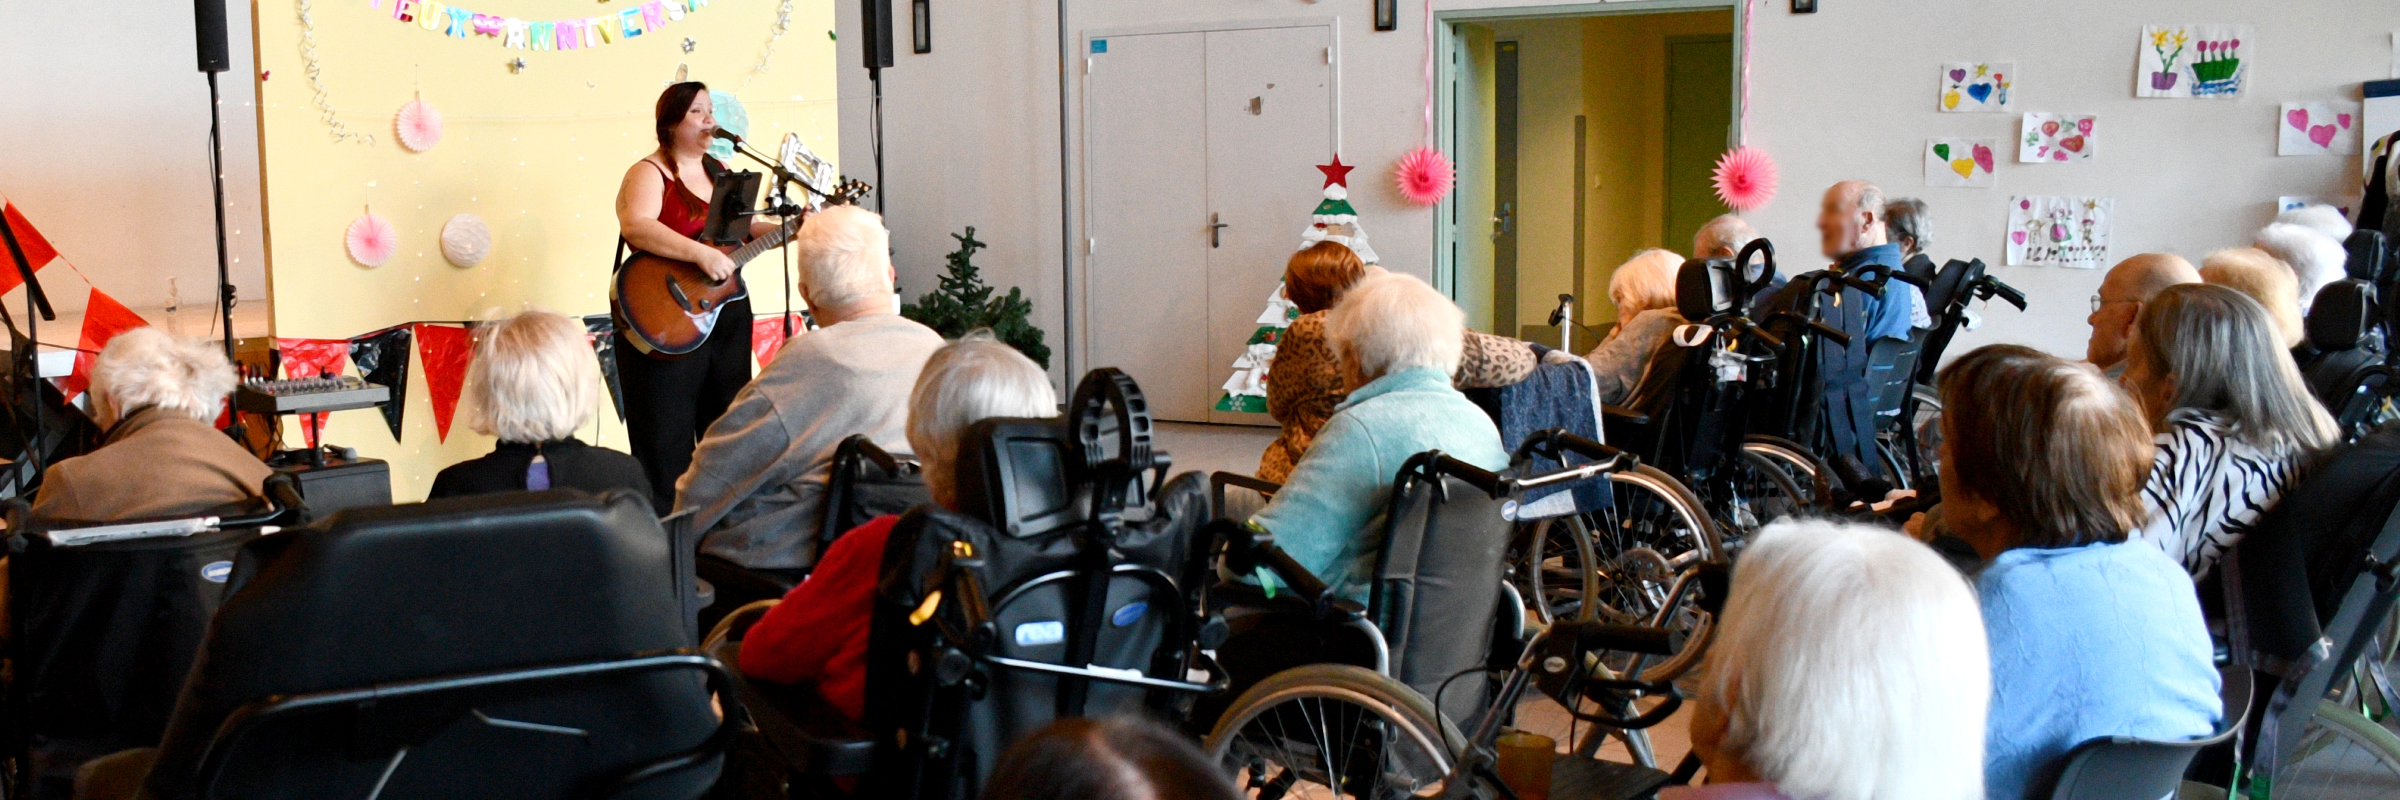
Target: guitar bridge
{"points": [[675, 290]]}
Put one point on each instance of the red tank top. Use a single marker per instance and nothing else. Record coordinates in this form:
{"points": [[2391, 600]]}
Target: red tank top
{"points": [[679, 209]]}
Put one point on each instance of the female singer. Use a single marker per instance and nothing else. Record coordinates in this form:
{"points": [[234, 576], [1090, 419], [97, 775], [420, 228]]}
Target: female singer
{"points": [[670, 400]]}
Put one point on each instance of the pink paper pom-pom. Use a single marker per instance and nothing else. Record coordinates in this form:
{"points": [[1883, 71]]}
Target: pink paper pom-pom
{"points": [[420, 127], [1745, 178], [1425, 176], [372, 240]]}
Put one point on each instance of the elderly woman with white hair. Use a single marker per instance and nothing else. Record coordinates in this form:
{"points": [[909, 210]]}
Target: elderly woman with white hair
{"points": [[819, 632], [1849, 664], [1643, 289], [156, 396], [1398, 342], [757, 479], [534, 381]]}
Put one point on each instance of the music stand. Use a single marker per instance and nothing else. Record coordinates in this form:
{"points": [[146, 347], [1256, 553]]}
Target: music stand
{"points": [[729, 209]]}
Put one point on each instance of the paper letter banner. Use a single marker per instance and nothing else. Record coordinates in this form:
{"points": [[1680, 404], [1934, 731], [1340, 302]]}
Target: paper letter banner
{"points": [[38, 251], [565, 34], [312, 358], [2317, 129], [1969, 87], [2059, 231], [103, 319], [766, 336], [1960, 162], [602, 330], [2193, 61], [445, 351], [382, 358], [2058, 139]]}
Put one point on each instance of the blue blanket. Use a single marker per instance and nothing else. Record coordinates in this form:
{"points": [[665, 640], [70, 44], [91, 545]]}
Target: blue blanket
{"points": [[1555, 396]]}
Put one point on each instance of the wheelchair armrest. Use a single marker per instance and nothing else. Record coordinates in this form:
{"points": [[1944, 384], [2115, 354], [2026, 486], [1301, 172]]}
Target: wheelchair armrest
{"points": [[1217, 481], [737, 623], [798, 724], [1625, 414]]}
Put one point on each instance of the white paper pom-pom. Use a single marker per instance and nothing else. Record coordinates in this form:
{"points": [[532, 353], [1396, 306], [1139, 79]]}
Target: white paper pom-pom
{"points": [[466, 240]]}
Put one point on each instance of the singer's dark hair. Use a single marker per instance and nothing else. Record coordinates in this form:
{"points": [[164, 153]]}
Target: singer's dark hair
{"points": [[672, 105]]}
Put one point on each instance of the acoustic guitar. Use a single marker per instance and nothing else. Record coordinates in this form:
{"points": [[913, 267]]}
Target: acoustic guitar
{"points": [[669, 306]]}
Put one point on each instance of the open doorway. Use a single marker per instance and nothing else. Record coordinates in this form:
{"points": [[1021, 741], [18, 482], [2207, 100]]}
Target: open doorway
{"points": [[1580, 141]]}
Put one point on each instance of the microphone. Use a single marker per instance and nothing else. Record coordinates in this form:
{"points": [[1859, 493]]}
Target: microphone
{"points": [[726, 135]]}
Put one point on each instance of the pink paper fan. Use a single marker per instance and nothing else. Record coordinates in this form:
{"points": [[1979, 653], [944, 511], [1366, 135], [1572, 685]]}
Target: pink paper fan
{"points": [[1425, 176], [420, 126], [372, 240], [1745, 178]]}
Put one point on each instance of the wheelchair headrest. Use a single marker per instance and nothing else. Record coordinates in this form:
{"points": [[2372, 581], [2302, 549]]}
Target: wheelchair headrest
{"points": [[2344, 312], [1706, 287], [1947, 283], [2369, 256], [1031, 476]]}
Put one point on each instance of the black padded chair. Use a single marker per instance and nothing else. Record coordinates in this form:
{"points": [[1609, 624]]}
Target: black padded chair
{"points": [[2129, 768], [2348, 373], [519, 645]]}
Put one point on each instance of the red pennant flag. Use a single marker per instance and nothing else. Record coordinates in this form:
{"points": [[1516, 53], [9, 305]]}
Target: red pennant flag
{"points": [[766, 337], [38, 251], [445, 351], [103, 319], [312, 358]]}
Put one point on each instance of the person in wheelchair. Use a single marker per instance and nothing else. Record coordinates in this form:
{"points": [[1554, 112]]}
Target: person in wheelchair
{"points": [[1907, 222], [2253, 272], [1107, 759], [1849, 664], [1398, 341], [819, 632], [534, 381], [2042, 467], [2235, 424], [1724, 237], [1643, 289], [1308, 383], [155, 395]]}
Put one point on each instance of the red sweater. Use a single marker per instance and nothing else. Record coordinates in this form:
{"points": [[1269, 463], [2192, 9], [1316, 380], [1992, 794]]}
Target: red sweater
{"points": [[819, 631]]}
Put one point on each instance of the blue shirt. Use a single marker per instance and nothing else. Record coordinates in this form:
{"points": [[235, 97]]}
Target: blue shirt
{"points": [[1329, 516], [1903, 304], [2091, 641]]}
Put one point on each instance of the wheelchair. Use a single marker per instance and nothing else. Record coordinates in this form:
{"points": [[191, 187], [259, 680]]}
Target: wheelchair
{"points": [[2348, 359], [864, 482], [105, 620], [1910, 440]]}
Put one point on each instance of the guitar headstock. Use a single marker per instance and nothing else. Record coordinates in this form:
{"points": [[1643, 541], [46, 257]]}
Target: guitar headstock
{"points": [[848, 192]]}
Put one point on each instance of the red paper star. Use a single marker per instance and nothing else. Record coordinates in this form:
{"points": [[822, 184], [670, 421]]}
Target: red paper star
{"points": [[1336, 174]]}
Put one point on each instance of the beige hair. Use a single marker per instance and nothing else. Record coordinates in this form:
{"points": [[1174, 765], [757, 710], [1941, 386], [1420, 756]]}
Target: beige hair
{"points": [[1644, 282], [145, 367], [2265, 279], [534, 378], [1392, 322], [1850, 664], [972, 379], [2214, 349], [1722, 237], [845, 257]]}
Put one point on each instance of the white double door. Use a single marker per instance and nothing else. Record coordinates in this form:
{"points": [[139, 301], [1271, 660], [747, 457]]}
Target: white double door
{"points": [[1199, 168]]}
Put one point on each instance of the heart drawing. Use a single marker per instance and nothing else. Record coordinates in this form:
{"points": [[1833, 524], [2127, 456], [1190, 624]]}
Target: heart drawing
{"points": [[2017, 236], [2313, 128], [1965, 167], [1982, 92], [1942, 150], [2073, 144], [2322, 135], [1958, 74], [1983, 157]]}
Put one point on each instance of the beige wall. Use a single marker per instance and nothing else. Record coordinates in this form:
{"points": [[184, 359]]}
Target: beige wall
{"points": [[1625, 85]]}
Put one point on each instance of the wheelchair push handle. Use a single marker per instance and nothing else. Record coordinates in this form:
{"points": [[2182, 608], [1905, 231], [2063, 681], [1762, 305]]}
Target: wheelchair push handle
{"points": [[1821, 329], [1435, 463], [1988, 287]]}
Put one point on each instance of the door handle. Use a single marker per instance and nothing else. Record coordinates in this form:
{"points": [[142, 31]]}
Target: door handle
{"points": [[1215, 228]]}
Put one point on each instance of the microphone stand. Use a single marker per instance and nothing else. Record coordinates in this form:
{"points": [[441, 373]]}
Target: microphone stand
{"points": [[37, 304], [784, 180]]}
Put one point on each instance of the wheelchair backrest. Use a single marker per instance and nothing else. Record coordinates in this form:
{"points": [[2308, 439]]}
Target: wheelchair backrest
{"points": [[372, 597], [867, 483], [1436, 584]]}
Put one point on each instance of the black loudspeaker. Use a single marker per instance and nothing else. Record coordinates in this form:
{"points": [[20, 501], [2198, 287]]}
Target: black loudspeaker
{"points": [[208, 17], [875, 27], [341, 483]]}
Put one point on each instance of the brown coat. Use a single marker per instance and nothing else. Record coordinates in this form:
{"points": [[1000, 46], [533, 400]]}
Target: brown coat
{"points": [[1304, 384], [152, 463]]}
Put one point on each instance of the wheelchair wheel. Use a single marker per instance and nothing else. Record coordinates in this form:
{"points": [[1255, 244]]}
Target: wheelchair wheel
{"points": [[1748, 491], [2341, 754], [1926, 420], [1557, 571], [1324, 731], [1803, 469]]}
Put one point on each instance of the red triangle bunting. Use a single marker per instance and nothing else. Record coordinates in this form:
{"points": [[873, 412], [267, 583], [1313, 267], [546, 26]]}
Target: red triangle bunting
{"points": [[38, 251], [445, 351], [766, 337], [103, 319], [312, 358]]}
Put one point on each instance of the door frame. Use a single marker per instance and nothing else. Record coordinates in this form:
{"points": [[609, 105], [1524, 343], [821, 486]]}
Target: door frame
{"points": [[1445, 111], [1078, 266]]}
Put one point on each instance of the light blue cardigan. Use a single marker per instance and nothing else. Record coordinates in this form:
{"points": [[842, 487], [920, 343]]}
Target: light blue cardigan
{"points": [[1329, 516], [2098, 640]]}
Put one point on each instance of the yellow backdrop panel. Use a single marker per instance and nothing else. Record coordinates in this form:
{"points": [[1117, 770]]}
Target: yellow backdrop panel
{"points": [[537, 153]]}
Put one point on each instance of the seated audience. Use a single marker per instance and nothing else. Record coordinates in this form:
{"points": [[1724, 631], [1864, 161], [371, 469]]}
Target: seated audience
{"points": [[819, 632], [1853, 231], [2091, 634], [2251, 271], [1305, 383], [1849, 664], [756, 478], [1398, 342], [533, 382], [2128, 285], [2234, 423], [1107, 759], [1909, 224], [1643, 289], [2316, 256], [156, 397]]}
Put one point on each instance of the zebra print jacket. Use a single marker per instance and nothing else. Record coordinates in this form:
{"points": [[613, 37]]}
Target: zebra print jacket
{"points": [[2206, 488]]}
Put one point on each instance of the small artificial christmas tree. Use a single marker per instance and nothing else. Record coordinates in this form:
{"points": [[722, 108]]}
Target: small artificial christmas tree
{"points": [[1335, 221], [963, 303]]}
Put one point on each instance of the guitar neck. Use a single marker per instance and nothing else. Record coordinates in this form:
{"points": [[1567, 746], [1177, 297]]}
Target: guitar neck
{"points": [[771, 240]]}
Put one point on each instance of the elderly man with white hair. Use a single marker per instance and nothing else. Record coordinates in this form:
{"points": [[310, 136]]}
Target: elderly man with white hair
{"points": [[1850, 664], [758, 477], [1398, 342], [156, 396]]}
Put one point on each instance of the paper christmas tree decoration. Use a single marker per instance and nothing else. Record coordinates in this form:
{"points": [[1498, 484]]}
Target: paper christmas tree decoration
{"points": [[1334, 220]]}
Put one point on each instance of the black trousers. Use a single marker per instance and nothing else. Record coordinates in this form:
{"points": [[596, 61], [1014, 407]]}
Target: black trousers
{"points": [[669, 402]]}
